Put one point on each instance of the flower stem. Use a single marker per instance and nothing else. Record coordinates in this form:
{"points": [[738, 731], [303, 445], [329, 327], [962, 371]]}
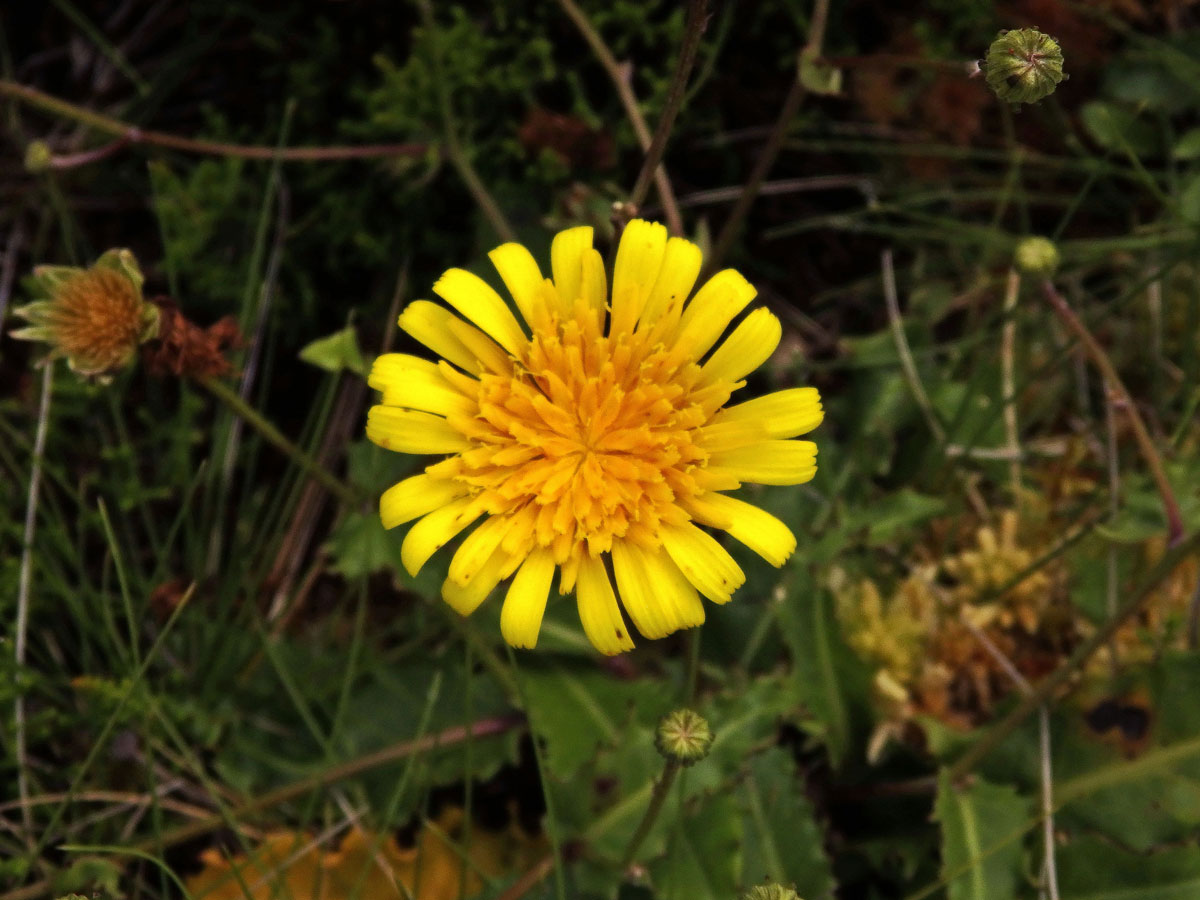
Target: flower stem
{"points": [[620, 79], [657, 798], [1101, 361], [274, 436], [131, 134], [697, 19]]}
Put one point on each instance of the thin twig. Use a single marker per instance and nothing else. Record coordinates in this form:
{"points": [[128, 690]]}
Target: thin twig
{"points": [[770, 151], [693, 29], [909, 368], [633, 112], [1047, 803], [8, 272], [1114, 508], [1047, 688], [1047, 773], [1008, 339], [1101, 361], [23, 586], [454, 149], [131, 134]]}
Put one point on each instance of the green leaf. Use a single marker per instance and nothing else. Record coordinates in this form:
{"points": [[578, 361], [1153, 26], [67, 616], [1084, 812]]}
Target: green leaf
{"points": [[817, 77], [704, 856], [782, 842], [1115, 128], [981, 839], [360, 545], [336, 352], [1188, 146], [1189, 200], [829, 679], [893, 514], [1091, 869], [576, 711]]}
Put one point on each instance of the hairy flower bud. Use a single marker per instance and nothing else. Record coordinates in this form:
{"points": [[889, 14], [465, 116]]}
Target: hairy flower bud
{"points": [[1036, 256], [1023, 66], [683, 736], [38, 157]]}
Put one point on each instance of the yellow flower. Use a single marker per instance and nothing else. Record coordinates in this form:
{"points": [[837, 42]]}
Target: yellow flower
{"points": [[593, 437], [95, 317]]}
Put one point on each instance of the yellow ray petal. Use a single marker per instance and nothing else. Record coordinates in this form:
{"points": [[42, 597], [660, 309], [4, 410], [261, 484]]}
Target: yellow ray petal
{"points": [[680, 266], [598, 610], [594, 284], [567, 252], [639, 259], [704, 562], [784, 414], [409, 431], [754, 527], [750, 345], [414, 497], [476, 549], [435, 531], [416, 383], [769, 462], [712, 309], [525, 602], [729, 435], [677, 594], [478, 303], [521, 275], [646, 610], [428, 323], [465, 599]]}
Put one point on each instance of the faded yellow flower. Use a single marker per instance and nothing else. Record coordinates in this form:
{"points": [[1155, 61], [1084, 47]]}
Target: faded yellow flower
{"points": [[95, 317], [590, 433]]}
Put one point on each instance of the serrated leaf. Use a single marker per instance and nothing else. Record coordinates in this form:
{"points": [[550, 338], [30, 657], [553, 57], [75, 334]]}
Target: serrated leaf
{"points": [[1091, 869], [576, 711], [360, 545], [783, 842], [336, 352], [982, 827], [830, 680], [895, 513], [704, 856]]}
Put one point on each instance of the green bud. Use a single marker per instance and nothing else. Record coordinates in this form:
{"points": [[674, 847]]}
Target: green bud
{"points": [[38, 156], [770, 892], [1023, 66], [1036, 256], [683, 736]]}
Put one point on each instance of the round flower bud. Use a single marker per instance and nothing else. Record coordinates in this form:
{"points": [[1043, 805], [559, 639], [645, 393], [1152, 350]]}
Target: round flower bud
{"points": [[38, 156], [770, 892], [1036, 256], [683, 736], [1023, 66]]}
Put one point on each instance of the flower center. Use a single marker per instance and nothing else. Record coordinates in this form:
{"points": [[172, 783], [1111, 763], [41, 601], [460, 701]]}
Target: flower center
{"points": [[590, 438]]}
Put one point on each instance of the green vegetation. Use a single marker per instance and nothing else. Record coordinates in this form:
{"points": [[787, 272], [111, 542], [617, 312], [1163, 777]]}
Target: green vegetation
{"points": [[975, 678]]}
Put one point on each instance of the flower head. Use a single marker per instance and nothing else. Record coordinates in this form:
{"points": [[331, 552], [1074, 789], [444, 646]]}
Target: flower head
{"points": [[684, 736], [1024, 66], [95, 317], [594, 434]]}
